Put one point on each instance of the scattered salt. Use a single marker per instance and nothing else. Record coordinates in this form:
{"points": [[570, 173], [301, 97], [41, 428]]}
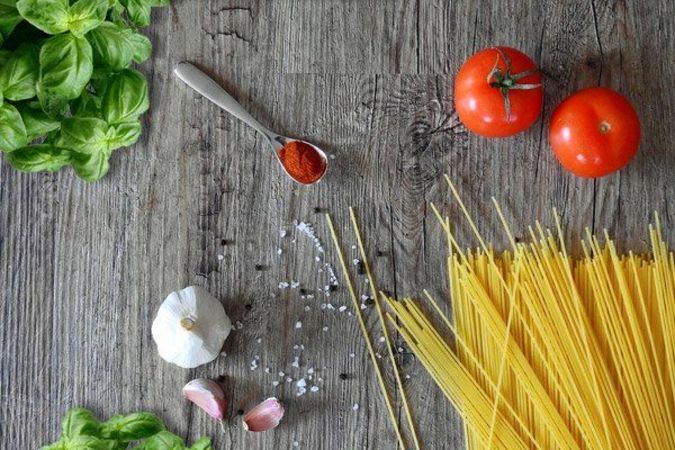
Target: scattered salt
{"points": [[281, 374], [238, 325], [310, 370], [295, 284], [314, 389], [381, 339], [325, 328], [267, 370], [355, 407], [275, 383], [279, 251], [298, 325], [283, 285], [296, 362], [282, 233], [352, 355], [342, 308], [221, 257], [259, 340], [356, 262], [308, 308]]}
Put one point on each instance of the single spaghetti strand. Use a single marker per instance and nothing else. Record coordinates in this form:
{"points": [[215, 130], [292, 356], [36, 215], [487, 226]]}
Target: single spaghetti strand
{"points": [[364, 331], [383, 324]]}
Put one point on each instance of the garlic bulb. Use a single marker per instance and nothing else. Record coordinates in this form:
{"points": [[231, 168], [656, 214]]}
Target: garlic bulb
{"points": [[190, 327]]}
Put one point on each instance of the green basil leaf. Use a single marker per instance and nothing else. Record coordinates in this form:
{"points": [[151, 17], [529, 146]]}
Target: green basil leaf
{"points": [[125, 98], [60, 445], [35, 120], [202, 444], [91, 168], [85, 15], [138, 11], [50, 16], [12, 130], [142, 47], [161, 2], [19, 73], [89, 443], [86, 105], [132, 427], [164, 440], [4, 56], [123, 134], [113, 46], [65, 69], [39, 158], [79, 422], [84, 135], [9, 18]]}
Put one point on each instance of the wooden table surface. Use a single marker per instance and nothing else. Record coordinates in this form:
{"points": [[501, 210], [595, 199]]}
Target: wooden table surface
{"points": [[200, 200]]}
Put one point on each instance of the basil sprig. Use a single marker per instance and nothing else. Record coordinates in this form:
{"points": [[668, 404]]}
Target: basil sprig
{"points": [[68, 96], [139, 431]]}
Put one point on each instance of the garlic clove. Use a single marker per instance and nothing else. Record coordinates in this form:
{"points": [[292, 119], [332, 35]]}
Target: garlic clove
{"points": [[190, 327], [208, 395], [265, 416]]}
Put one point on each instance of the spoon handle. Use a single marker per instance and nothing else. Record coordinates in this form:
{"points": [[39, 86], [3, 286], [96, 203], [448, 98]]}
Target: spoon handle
{"points": [[205, 85]]}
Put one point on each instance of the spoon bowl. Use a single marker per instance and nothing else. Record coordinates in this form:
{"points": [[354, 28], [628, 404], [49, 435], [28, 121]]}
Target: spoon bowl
{"points": [[206, 86]]}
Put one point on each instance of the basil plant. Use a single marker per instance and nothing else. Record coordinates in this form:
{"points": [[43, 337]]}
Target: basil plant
{"points": [[68, 96], [80, 430]]}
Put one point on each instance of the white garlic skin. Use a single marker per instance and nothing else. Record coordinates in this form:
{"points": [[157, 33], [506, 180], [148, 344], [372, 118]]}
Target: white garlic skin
{"points": [[190, 327]]}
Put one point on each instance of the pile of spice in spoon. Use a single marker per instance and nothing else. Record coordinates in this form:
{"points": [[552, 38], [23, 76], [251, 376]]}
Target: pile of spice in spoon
{"points": [[302, 162]]}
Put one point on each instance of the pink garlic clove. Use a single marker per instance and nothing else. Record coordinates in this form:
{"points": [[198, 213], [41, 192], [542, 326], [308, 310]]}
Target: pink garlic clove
{"points": [[265, 416], [208, 395]]}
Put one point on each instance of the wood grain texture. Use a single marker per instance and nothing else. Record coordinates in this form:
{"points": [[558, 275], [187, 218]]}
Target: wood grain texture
{"points": [[84, 267]]}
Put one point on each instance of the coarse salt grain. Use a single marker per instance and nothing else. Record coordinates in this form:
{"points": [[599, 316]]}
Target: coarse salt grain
{"points": [[381, 339], [283, 285], [296, 362], [308, 308], [355, 407], [298, 325], [314, 389], [221, 257], [325, 328], [352, 355], [342, 308]]}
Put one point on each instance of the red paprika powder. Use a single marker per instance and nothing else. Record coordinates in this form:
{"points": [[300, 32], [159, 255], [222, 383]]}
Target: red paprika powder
{"points": [[302, 161]]}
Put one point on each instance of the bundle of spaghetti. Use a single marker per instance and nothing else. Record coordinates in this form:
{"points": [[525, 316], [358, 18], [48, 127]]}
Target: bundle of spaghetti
{"points": [[552, 352]]}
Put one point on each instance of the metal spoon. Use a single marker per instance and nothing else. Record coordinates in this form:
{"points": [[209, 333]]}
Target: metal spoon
{"points": [[207, 87]]}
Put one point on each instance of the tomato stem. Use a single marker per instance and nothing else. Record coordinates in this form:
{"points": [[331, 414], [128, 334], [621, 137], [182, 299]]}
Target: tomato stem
{"points": [[505, 80]]}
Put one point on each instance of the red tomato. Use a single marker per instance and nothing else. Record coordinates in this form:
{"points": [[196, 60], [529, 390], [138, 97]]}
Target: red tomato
{"points": [[594, 132], [498, 92]]}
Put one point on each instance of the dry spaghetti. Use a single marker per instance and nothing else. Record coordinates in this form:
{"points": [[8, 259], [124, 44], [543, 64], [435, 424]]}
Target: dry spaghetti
{"points": [[551, 352]]}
